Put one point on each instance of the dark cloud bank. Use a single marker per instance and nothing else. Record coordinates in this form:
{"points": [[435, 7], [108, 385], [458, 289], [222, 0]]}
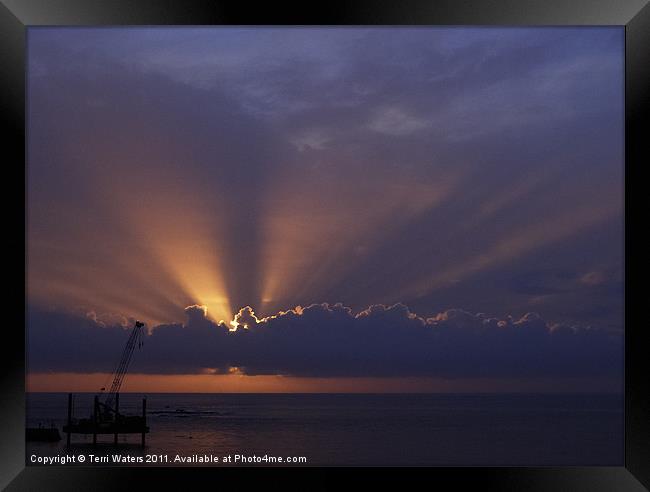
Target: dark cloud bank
{"points": [[332, 341]]}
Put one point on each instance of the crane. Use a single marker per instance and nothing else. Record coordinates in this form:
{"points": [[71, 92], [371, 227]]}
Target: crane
{"points": [[135, 338]]}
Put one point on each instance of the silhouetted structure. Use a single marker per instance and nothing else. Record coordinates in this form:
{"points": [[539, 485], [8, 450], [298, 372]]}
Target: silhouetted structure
{"points": [[103, 422], [106, 418]]}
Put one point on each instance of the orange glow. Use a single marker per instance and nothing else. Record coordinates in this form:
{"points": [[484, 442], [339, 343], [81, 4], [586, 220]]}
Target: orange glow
{"points": [[236, 383], [158, 253], [310, 242], [161, 179], [178, 235], [154, 239]]}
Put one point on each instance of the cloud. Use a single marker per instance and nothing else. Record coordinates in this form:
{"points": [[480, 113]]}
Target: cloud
{"points": [[245, 318], [330, 340], [196, 312], [395, 122], [226, 167], [310, 140], [593, 278]]}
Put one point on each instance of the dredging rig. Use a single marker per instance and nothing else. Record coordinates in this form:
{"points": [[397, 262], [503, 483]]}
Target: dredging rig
{"points": [[106, 417]]}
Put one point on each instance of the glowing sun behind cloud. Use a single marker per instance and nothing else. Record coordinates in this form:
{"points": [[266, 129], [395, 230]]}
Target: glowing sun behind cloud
{"points": [[166, 176]]}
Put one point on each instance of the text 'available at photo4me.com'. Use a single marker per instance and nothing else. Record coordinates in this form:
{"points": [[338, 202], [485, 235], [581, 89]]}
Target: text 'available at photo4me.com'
{"points": [[164, 459]]}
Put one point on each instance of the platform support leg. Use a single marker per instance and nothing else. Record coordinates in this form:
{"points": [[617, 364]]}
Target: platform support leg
{"points": [[117, 409], [95, 408], [144, 419], [69, 418]]}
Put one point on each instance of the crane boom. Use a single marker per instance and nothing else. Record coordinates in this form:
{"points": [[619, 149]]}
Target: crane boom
{"points": [[123, 365]]}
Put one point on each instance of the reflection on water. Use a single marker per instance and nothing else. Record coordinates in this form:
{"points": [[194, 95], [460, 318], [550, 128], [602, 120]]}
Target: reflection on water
{"points": [[347, 429]]}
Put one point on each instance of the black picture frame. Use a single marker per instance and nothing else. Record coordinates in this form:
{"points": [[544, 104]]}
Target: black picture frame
{"points": [[18, 15]]}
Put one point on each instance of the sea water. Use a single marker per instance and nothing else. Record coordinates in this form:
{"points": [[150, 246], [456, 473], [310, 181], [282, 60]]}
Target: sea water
{"points": [[351, 429]]}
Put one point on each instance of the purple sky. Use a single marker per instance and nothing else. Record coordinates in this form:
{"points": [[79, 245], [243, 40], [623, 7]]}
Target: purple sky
{"points": [[470, 169]]}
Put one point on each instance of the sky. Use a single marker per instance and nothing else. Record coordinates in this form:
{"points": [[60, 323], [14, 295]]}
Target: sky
{"points": [[326, 209]]}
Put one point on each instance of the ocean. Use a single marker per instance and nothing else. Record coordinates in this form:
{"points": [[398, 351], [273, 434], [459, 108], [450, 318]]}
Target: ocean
{"points": [[351, 429]]}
